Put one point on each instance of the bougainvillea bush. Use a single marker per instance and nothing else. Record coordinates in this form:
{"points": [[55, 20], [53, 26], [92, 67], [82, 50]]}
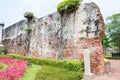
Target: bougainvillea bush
{"points": [[15, 69]]}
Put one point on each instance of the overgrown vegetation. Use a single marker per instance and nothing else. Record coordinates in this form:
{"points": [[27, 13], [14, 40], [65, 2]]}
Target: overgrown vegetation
{"points": [[28, 15], [68, 6]]}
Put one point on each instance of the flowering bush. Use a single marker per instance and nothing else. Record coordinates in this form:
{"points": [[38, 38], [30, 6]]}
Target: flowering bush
{"points": [[15, 69]]}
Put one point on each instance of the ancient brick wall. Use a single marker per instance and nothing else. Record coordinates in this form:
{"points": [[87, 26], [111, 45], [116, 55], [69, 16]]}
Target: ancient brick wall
{"points": [[13, 37], [62, 36]]}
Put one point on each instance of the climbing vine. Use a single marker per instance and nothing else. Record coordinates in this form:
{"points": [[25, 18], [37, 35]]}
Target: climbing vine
{"points": [[68, 6]]}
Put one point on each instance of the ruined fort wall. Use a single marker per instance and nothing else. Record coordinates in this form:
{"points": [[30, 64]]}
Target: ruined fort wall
{"points": [[61, 36]]}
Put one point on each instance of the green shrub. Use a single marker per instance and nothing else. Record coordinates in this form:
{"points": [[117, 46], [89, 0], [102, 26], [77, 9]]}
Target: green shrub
{"points": [[73, 65], [68, 6]]}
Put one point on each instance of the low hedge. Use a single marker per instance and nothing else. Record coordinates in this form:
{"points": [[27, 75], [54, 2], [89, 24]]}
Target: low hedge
{"points": [[73, 65], [112, 57]]}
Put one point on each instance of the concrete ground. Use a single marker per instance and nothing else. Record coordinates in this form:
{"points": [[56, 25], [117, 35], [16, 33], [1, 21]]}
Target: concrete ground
{"points": [[114, 73]]}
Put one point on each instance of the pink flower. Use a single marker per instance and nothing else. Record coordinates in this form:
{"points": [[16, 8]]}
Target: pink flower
{"points": [[16, 68]]}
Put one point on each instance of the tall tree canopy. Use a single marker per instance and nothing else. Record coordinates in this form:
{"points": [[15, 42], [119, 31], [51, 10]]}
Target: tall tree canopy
{"points": [[105, 43], [113, 29]]}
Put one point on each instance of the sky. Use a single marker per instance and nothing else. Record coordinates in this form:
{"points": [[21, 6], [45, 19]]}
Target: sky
{"points": [[12, 11]]}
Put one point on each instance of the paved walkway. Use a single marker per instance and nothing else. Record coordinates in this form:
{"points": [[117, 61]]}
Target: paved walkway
{"points": [[114, 73]]}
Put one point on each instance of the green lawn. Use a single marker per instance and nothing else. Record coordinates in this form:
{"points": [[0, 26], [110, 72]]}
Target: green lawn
{"points": [[44, 72], [3, 66], [31, 71], [54, 73]]}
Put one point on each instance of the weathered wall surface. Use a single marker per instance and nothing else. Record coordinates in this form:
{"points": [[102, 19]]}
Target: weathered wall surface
{"points": [[63, 37], [13, 37]]}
